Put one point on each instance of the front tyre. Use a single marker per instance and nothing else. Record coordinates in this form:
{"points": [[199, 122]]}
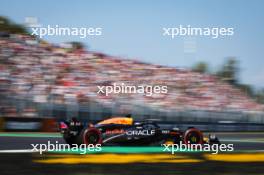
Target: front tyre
{"points": [[193, 136]]}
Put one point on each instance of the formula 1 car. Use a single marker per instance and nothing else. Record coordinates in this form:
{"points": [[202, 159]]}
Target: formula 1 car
{"points": [[124, 131]]}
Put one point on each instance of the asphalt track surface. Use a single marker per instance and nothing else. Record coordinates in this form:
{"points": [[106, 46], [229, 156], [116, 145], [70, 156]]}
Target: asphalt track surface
{"points": [[247, 159], [248, 142]]}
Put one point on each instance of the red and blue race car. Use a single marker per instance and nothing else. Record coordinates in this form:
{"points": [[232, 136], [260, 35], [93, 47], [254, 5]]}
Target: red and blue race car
{"points": [[125, 131]]}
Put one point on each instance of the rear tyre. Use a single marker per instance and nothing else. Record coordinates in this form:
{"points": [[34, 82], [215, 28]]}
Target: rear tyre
{"points": [[92, 136]]}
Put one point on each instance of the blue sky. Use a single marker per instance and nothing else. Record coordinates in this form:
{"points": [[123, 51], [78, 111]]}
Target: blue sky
{"points": [[133, 29]]}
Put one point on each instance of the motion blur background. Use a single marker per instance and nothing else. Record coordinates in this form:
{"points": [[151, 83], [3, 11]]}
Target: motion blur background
{"points": [[209, 80], [214, 84]]}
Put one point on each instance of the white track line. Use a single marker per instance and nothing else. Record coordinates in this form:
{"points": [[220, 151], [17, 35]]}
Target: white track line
{"points": [[18, 151]]}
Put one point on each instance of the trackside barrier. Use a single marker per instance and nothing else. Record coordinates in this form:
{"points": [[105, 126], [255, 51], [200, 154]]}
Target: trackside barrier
{"points": [[218, 127], [22, 124], [18, 124]]}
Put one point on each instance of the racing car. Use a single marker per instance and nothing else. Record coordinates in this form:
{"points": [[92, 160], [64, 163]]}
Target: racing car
{"points": [[125, 131]]}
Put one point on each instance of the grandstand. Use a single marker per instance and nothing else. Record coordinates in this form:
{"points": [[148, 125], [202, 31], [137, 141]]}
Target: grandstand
{"points": [[41, 73]]}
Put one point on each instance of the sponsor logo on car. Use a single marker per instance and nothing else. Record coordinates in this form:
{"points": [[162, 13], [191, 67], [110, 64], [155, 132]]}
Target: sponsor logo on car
{"points": [[141, 132]]}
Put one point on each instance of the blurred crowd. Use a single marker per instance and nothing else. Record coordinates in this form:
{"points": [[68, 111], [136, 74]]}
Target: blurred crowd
{"points": [[45, 73]]}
